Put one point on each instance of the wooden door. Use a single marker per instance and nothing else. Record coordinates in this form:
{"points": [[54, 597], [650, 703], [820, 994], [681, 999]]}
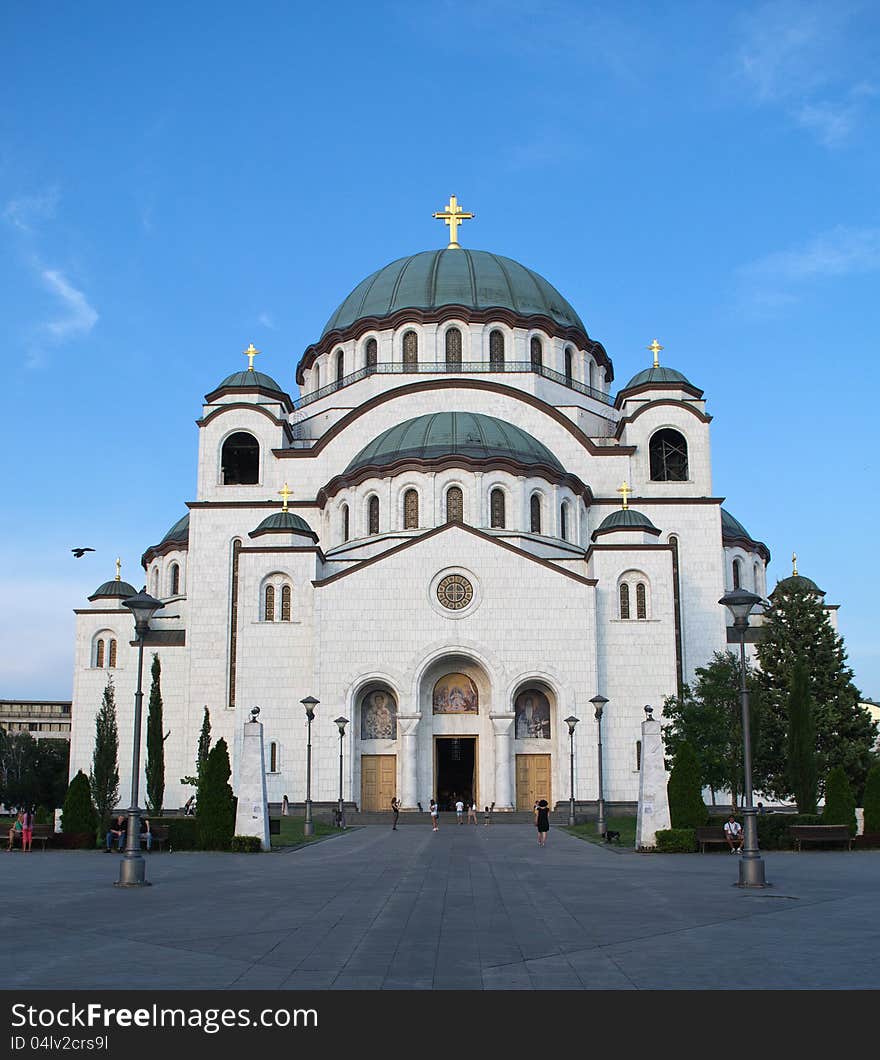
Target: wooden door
{"points": [[378, 782], [532, 780]]}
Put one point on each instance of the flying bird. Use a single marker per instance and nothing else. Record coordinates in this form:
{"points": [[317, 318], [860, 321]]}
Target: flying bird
{"points": [[80, 552]]}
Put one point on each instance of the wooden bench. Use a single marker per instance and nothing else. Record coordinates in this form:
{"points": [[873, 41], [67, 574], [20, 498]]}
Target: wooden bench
{"points": [[42, 833], [820, 833], [160, 836], [710, 835]]}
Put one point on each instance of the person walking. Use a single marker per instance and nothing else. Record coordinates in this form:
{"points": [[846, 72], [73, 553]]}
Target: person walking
{"points": [[435, 816], [487, 818], [459, 811], [542, 821], [285, 806], [27, 830], [472, 812], [395, 809]]}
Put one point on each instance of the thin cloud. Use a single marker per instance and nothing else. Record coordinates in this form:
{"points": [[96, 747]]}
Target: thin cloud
{"points": [[78, 317], [268, 321], [28, 210]]}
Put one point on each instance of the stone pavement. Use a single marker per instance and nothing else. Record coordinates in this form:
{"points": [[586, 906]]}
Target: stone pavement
{"points": [[466, 908]]}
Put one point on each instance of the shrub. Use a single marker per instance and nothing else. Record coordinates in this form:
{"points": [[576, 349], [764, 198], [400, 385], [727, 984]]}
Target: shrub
{"points": [[43, 816], [78, 815], [872, 800], [840, 803], [247, 844], [685, 789], [216, 812], [676, 841], [183, 832]]}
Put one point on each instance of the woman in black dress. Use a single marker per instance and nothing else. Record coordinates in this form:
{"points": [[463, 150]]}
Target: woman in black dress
{"points": [[542, 821]]}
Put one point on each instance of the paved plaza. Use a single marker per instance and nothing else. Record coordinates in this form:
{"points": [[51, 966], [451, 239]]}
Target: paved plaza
{"points": [[467, 908]]}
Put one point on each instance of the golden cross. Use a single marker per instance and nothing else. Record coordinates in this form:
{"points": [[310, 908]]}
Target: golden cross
{"points": [[453, 215], [251, 352], [118, 569], [285, 493], [626, 491], [655, 348], [794, 564]]}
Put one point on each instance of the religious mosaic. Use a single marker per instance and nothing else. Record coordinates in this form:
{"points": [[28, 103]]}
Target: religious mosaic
{"points": [[456, 694], [378, 716], [532, 711]]}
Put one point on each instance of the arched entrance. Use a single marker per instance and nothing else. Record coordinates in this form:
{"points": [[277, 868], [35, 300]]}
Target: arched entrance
{"points": [[376, 721], [535, 720]]}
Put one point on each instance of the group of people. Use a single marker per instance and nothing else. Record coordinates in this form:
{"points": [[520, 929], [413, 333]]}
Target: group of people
{"points": [[22, 826], [118, 833]]}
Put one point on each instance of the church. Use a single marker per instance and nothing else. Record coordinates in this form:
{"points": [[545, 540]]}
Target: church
{"points": [[457, 535]]}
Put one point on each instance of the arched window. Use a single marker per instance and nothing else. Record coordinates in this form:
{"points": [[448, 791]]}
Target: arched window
{"points": [[453, 348], [535, 514], [317, 377], [273, 757], [568, 368], [155, 581], [175, 579], [591, 373], [758, 578], [454, 505], [410, 349], [99, 653], [737, 574], [624, 600], [373, 515], [638, 755], [537, 353], [340, 366], [563, 521], [111, 654], [269, 604], [669, 456], [372, 358], [240, 460], [285, 603], [641, 601], [345, 523], [496, 350], [410, 510], [496, 509]]}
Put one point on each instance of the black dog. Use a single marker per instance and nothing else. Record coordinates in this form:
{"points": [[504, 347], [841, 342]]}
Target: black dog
{"points": [[611, 836]]}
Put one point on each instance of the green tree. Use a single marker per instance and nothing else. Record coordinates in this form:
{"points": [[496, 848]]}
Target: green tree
{"points": [[51, 766], [708, 717], [840, 803], [202, 752], [685, 790], [104, 777], [871, 800], [155, 742], [802, 778], [78, 814], [18, 768], [216, 816], [796, 627]]}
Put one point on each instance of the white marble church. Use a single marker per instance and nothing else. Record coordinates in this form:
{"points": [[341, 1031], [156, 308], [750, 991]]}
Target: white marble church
{"points": [[456, 536]]}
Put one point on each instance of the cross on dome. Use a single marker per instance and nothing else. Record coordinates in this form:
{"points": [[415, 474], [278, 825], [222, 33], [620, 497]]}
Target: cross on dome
{"points": [[251, 352], [286, 493], [625, 490], [118, 569], [655, 348], [452, 214], [794, 564]]}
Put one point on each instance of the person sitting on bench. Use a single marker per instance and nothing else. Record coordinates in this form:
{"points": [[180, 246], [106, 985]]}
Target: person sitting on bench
{"points": [[146, 834], [733, 833], [118, 832]]}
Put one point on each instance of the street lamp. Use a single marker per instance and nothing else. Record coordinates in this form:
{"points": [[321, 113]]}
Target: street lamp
{"points": [[340, 818], [571, 722], [599, 703], [309, 703], [132, 869], [751, 864]]}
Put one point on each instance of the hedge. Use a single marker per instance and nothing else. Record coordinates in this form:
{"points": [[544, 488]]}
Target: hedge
{"points": [[677, 841], [182, 832], [246, 844]]}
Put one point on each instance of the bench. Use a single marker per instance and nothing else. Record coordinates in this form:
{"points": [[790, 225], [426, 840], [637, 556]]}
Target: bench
{"points": [[160, 836], [710, 835], [820, 833], [42, 833]]}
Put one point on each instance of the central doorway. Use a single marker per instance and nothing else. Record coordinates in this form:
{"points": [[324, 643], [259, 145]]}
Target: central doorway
{"points": [[455, 770]]}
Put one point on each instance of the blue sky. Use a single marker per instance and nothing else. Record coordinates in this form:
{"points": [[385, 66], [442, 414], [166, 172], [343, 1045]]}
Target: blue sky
{"points": [[177, 180]]}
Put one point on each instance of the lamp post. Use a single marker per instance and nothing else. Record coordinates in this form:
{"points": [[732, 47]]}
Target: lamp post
{"points": [[341, 723], [751, 864], [132, 868], [571, 722], [599, 703], [309, 703]]}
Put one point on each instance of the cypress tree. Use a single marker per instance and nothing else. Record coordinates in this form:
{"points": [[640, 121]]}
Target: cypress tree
{"points": [[872, 800], [155, 742], [104, 777], [202, 752], [796, 628], [801, 757], [78, 814], [216, 816], [685, 790], [840, 803]]}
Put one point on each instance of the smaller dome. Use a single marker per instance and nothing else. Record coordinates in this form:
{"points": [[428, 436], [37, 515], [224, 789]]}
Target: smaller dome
{"points": [[178, 532], [627, 519], [798, 581], [734, 533], [250, 380], [657, 375], [284, 523], [113, 588]]}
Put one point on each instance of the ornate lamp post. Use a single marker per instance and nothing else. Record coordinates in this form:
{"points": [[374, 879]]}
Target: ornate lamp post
{"points": [[751, 864], [341, 723], [571, 722], [599, 703], [309, 703], [132, 869]]}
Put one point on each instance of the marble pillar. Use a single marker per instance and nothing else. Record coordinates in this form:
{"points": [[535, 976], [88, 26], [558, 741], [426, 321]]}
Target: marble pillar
{"points": [[653, 812], [252, 813], [504, 793], [409, 754]]}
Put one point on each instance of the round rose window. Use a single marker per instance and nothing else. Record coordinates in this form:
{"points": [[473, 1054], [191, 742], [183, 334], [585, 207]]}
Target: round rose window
{"points": [[455, 592]]}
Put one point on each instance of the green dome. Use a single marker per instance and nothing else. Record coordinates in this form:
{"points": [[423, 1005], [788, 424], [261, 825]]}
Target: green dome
{"points": [[250, 380], [626, 519], [114, 589], [734, 533], [657, 375], [178, 533], [798, 581], [472, 278], [465, 434], [284, 522]]}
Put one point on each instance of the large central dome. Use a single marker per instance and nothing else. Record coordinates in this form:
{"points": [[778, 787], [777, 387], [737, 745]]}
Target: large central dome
{"points": [[475, 279]]}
